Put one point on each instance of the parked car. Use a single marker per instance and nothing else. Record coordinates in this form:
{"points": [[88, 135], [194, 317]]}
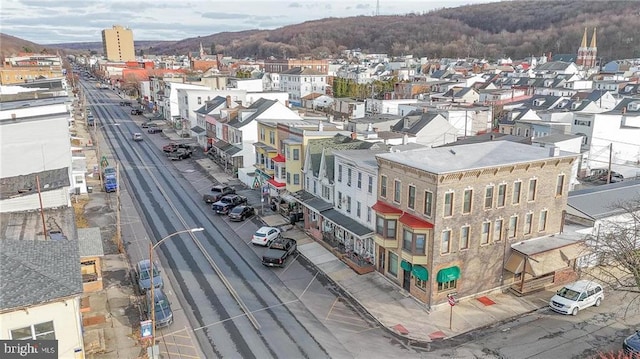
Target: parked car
{"points": [[179, 154], [217, 192], [240, 213], [153, 130], [137, 136], [576, 296], [227, 203], [149, 125], [265, 235], [631, 345], [279, 249], [144, 277], [162, 307], [137, 111]]}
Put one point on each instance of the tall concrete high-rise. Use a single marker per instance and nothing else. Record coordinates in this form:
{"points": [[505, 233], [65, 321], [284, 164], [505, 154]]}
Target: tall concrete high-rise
{"points": [[117, 43]]}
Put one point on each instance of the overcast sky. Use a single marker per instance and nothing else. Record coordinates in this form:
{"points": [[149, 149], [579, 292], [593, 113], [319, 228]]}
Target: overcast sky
{"points": [[60, 21]]}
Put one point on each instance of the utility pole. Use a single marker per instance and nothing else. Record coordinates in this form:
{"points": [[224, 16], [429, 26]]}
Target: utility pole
{"points": [[118, 228], [44, 223], [609, 168]]}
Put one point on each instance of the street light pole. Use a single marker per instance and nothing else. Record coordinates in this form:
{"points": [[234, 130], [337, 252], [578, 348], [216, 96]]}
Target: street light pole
{"points": [[153, 299]]}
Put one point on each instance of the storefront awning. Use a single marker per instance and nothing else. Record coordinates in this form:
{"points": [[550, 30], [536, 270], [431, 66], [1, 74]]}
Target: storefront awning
{"points": [[346, 223], [232, 150], [384, 208], [544, 255], [221, 145], [548, 262], [515, 263], [414, 222], [406, 265], [198, 129], [420, 272], [448, 274]]}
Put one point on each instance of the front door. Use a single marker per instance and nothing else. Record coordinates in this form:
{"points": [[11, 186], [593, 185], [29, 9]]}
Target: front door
{"points": [[406, 281]]}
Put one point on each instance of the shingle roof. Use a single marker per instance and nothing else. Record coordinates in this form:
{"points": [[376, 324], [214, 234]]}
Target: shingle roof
{"points": [[211, 104], [600, 202], [258, 107], [35, 269], [90, 242], [302, 71], [319, 146], [416, 123]]}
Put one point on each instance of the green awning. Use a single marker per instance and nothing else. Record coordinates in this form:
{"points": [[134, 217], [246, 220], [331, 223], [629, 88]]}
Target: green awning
{"points": [[405, 265], [420, 272], [448, 274]]}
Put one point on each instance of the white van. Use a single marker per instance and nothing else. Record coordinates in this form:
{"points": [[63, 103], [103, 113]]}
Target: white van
{"points": [[576, 296]]}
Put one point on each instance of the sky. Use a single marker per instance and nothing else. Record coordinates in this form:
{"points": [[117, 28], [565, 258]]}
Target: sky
{"points": [[62, 21]]}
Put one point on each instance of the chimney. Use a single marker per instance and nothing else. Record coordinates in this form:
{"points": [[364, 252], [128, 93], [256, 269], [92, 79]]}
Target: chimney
{"points": [[405, 139], [320, 126], [228, 101], [370, 127], [554, 151]]}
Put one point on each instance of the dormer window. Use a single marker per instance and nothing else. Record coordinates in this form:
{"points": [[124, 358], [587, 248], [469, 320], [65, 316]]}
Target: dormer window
{"points": [[633, 106]]}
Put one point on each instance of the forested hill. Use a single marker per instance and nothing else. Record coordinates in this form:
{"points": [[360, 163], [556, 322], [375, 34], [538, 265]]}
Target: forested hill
{"points": [[511, 28]]}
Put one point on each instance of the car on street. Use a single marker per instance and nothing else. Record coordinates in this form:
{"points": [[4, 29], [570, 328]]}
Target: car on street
{"points": [[265, 235], [577, 296], [240, 213], [631, 345], [279, 250], [162, 307], [228, 202], [144, 277], [153, 130], [217, 192], [137, 136], [136, 111]]}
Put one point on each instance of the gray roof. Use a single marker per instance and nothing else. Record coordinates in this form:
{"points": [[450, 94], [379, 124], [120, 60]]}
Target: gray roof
{"points": [[555, 138], [33, 269], [415, 123], [543, 244], [491, 136], [90, 242], [602, 201], [316, 147], [346, 222], [258, 107], [211, 105], [440, 160], [26, 184], [362, 158]]}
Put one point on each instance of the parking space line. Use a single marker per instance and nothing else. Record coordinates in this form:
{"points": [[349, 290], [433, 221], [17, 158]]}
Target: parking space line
{"points": [[308, 285], [290, 263], [331, 309], [348, 323], [179, 355]]}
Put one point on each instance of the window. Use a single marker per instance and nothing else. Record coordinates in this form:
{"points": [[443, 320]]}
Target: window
{"points": [[383, 186], [513, 225], [560, 185], [43, 331], [272, 137], [315, 186], [407, 240], [359, 180], [412, 197], [326, 192], [445, 242], [397, 189], [339, 173], [447, 285], [296, 179], [448, 204], [368, 214], [296, 154], [289, 177], [488, 197], [502, 195], [370, 189], [528, 218], [262, 133], [358, 209], [348, 204], [386, 227], [393, 264], [199, 100], [422, 284], [339, 199], [516, 192], [468, 195], [421, 244], [497, 230], [542, 223], [532, 189], [349, 177], [486, 229], [464, 237], [428, 203], [307, 187]]}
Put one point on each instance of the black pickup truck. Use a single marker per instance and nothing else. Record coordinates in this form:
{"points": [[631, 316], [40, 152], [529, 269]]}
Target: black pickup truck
{"points": [[226, 203], [217, 192], [278, 252]]}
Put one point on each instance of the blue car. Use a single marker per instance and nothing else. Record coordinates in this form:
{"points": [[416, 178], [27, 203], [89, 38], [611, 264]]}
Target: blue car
{"points": [[164, 315], [631, 345], [144, 278]]}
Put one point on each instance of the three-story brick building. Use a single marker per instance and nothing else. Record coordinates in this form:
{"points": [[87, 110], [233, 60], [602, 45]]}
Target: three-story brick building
{"points": [[446, 217]]}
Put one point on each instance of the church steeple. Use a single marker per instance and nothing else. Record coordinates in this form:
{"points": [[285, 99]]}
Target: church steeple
{"points": [[202, 50], [584, 38], [593, 39]]}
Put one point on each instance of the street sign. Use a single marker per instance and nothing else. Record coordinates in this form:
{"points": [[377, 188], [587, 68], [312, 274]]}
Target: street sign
{"points": [[451, 299], [104, 162], [256, 183], [146, 329]]}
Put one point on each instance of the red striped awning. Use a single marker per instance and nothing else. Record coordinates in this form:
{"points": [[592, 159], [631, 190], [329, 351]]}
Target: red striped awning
{"points": [[275, 183], [278, 158]]}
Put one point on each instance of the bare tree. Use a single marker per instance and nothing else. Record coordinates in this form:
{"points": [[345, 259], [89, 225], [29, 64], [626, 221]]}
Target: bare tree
{"points": [[616, 247]]}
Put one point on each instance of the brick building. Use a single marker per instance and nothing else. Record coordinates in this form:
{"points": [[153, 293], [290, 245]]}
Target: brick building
{"points": [[448, 217], [282, 65]]}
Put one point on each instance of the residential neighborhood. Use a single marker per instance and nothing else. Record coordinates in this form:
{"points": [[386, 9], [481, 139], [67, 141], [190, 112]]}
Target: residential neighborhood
{"points": [[427, 201]]}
